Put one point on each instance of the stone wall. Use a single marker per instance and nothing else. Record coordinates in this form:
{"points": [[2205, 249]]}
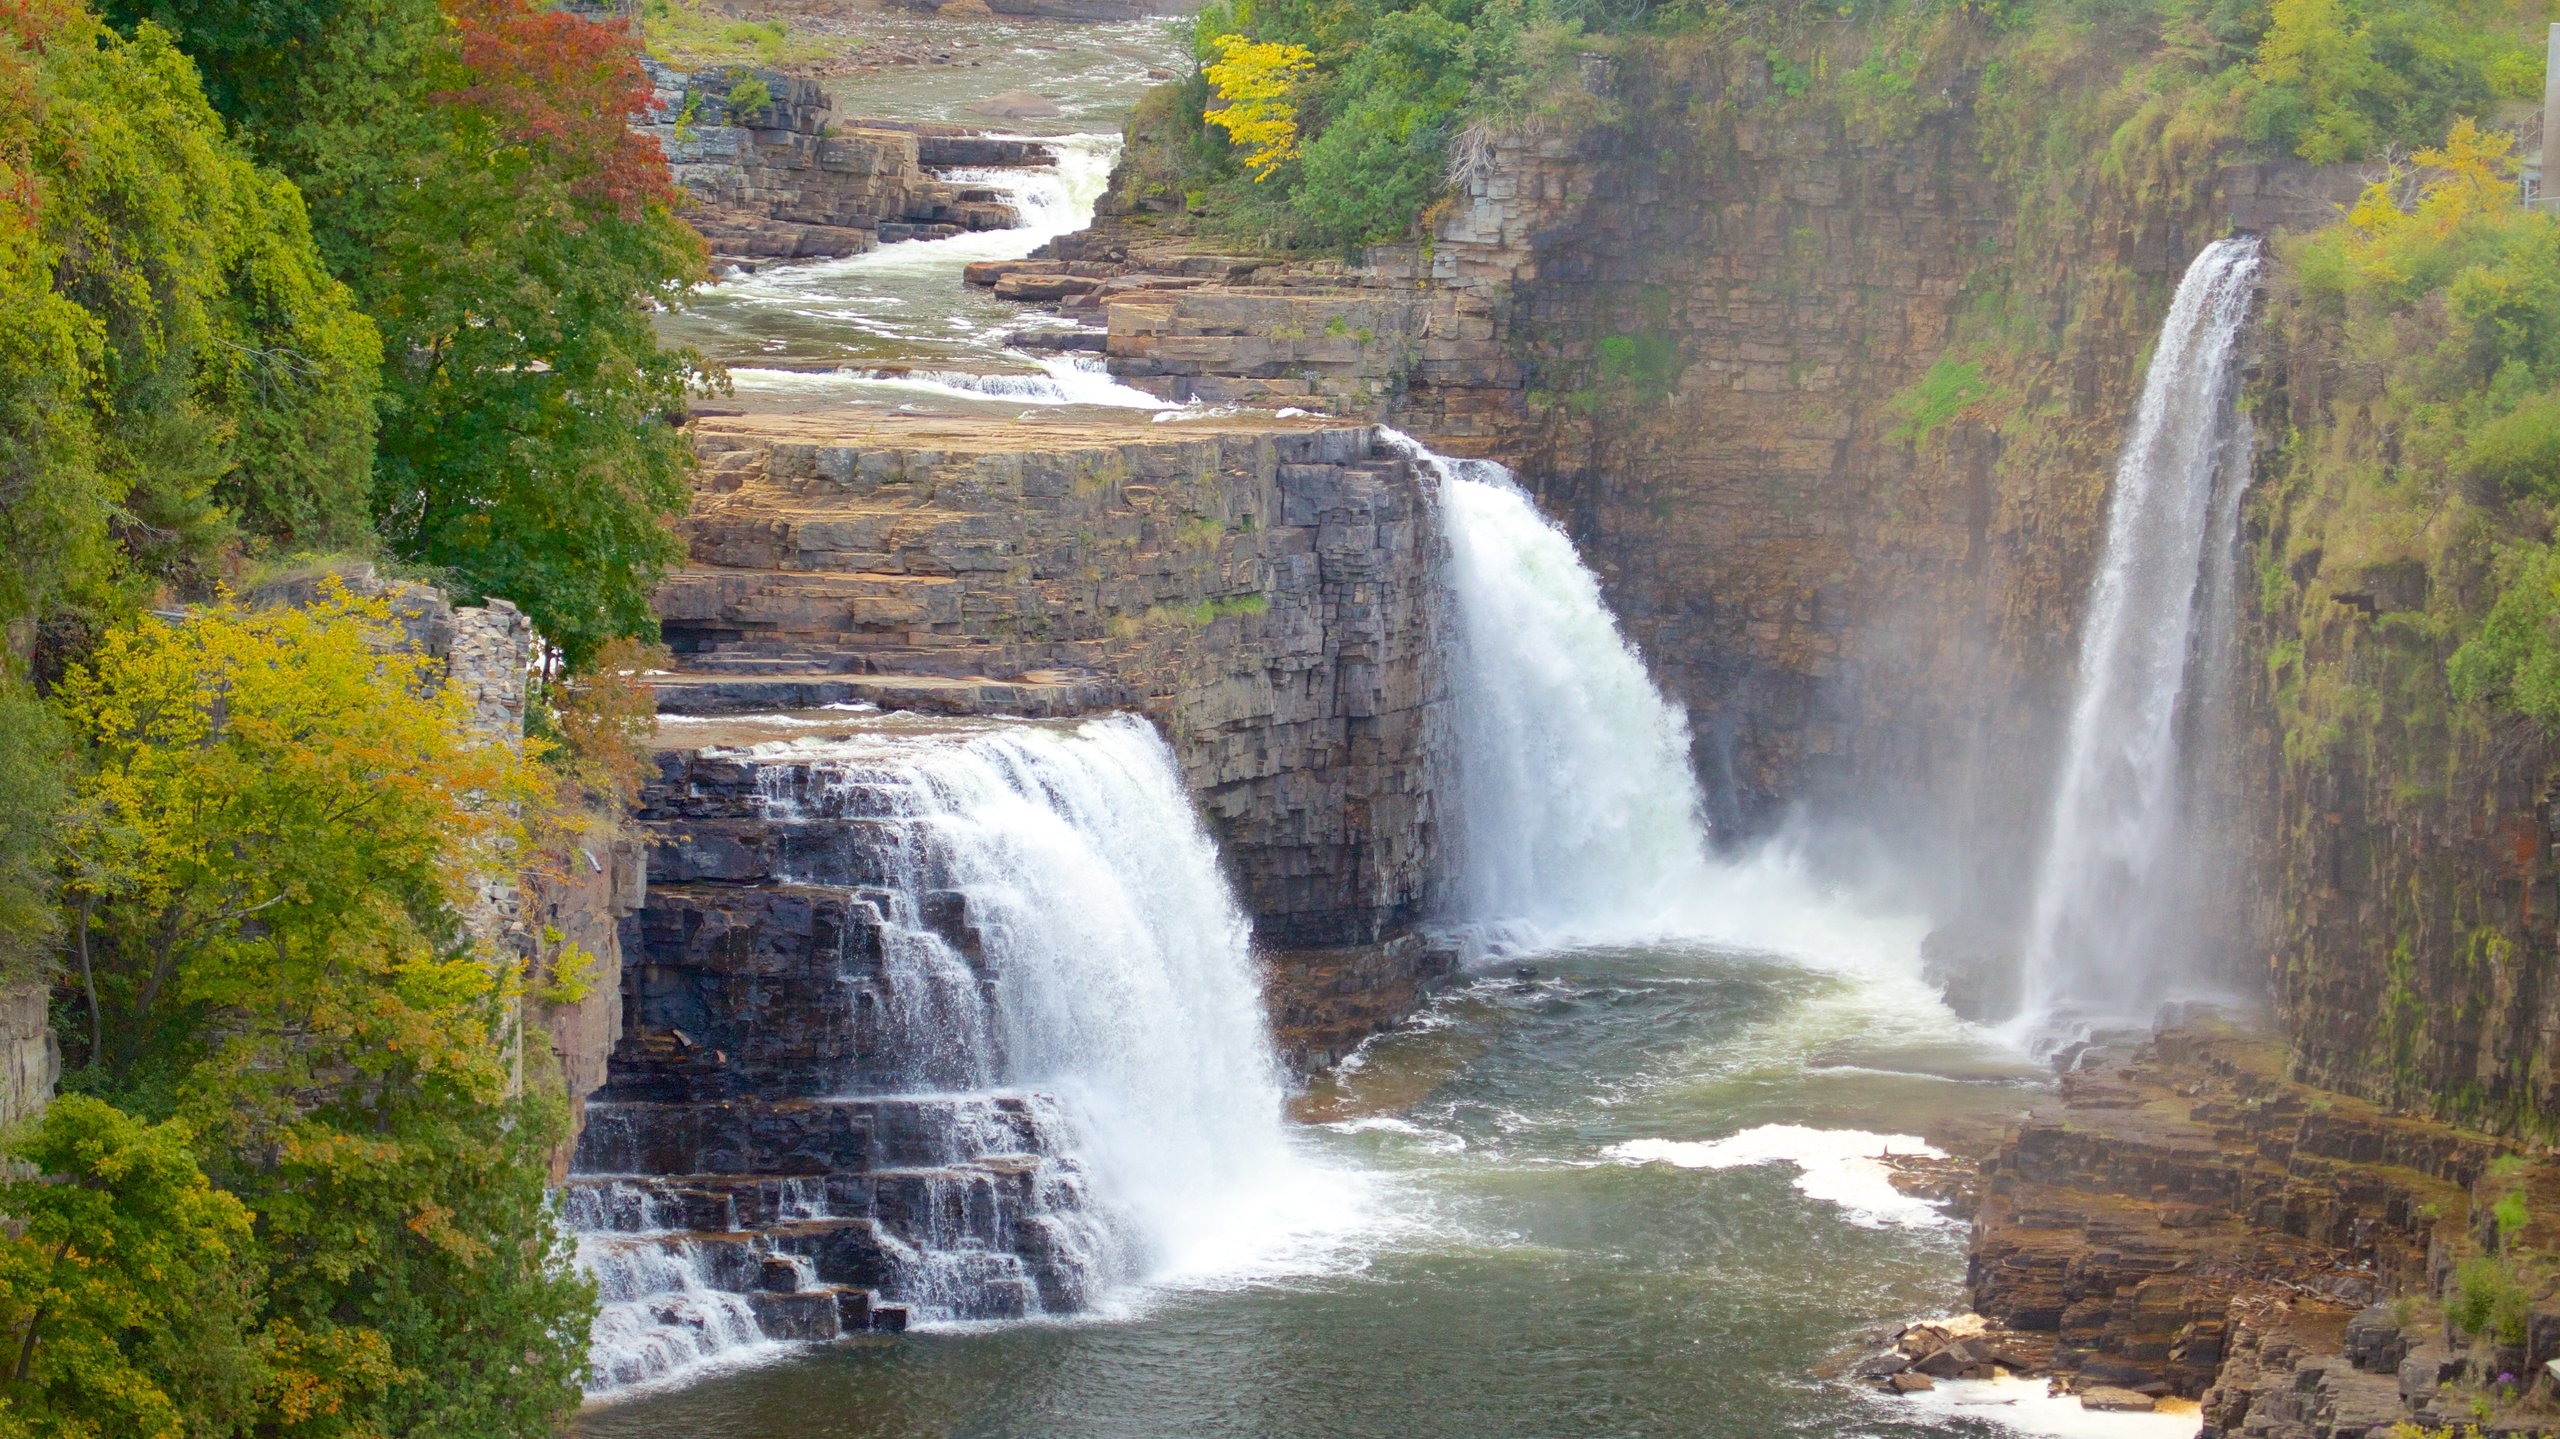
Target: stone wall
{"points": [[1267, 593]]}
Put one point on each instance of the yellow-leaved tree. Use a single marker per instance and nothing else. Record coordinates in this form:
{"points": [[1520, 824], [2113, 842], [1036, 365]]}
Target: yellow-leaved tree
{"points": [[282, 819], [1254, 79]]}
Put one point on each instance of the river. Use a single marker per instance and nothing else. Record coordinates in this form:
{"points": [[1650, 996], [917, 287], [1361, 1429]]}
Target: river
{"points": [[1611, 1185]]}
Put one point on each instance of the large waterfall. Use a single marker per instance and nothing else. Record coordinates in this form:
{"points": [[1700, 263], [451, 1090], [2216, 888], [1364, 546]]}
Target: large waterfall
{"points": [[1060, 1055], [2114, 927], [1578, 815]]}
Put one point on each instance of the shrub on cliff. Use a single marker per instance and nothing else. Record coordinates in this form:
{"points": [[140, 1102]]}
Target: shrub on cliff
{"points": [[1395, 84], [2440, 296], [281, 821]]}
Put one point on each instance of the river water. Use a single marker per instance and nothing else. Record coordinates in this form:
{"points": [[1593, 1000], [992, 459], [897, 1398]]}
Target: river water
{"points": [[1624, 1179], [1533, 1258]]}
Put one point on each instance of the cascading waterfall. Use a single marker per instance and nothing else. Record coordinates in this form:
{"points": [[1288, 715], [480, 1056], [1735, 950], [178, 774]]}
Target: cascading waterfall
{"points": [[1114, 968], [2114, 928], [1578, 815], [1071, 1083]]}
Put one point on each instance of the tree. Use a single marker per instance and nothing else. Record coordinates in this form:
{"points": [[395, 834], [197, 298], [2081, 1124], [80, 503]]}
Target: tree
{"points": [[176, 367], [530, 445], [474, 179], [127, 1289], [1254, 79], [284, 820]]}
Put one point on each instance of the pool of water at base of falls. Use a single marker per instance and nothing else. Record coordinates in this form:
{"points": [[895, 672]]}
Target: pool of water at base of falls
{"points": [[1558, 1246]]}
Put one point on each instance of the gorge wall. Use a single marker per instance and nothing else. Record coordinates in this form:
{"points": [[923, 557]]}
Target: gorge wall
{"points": [[1266, 592], [2408, 837], [1829, 398]]}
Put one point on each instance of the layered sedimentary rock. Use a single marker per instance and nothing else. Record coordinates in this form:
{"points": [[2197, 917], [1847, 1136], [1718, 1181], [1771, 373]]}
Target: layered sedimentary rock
{"points": [[1265, 592], [788, 180], [2184, 1221], [721, 1172], [2410, 840]]}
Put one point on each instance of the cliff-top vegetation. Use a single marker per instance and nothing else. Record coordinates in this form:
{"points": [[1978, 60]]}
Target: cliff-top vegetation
{"points": [[284, 285], [1394, 97]]}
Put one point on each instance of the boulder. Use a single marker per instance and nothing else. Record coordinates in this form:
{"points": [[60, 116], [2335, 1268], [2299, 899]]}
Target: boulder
{"points": [[1958, 1360], [2375, 1344], [1909, 1384], [2116, 1401]]}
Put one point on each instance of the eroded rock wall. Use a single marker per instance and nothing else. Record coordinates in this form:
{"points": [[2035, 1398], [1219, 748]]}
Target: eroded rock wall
{"points": [[1267, 594], [2413, 898], [789, 179]]}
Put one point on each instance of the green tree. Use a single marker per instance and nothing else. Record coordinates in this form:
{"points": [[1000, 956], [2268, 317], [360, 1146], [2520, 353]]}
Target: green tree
{"points": [[176, 367], [283, 820], [127, 1289], [474, 179]]}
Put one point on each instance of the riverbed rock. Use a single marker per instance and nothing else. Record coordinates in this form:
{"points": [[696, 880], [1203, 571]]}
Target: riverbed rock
{"points": [[1015, 105], [791, 180]]}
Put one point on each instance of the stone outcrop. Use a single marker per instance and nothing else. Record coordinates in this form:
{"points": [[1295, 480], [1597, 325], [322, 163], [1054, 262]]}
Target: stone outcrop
{"points": [[789, 181], [30, 1056], [2183, 1221], [565, 911], [1265, 592]]}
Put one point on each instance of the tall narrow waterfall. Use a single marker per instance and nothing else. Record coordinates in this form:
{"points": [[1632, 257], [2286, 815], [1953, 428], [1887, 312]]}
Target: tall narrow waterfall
{"points": [[2112, 929], [1053, 1045], [1577, 812]]}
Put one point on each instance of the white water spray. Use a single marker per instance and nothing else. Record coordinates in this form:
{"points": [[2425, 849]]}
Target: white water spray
{"points": [[2112, 931], [1578, 815], [1062, 380], [1114, 971], [1073, 1088]]}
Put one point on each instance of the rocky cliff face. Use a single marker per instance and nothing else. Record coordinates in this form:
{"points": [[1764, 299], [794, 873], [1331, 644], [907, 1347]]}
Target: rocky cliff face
{"points": [[787, 179], [1737, 343], [2185, 1221], [1266, 593], [2409, 840]]}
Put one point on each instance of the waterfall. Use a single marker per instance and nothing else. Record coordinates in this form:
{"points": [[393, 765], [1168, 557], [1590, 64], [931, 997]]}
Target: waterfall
{"points": [[1578, 816], [1061, 1061], [1057, 922], [2114, 927]]}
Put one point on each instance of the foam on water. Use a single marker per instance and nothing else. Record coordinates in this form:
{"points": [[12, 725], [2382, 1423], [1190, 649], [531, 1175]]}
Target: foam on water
{"points": [[1060, 380], [1841, 1167], [2022, 1406]]}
